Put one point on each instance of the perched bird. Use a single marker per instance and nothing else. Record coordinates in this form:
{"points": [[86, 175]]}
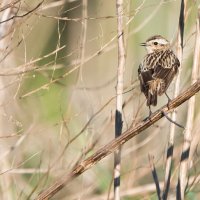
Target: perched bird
{"points": [[157, 69]]}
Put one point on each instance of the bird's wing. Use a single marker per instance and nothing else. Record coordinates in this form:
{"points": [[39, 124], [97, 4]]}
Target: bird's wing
{"points": [[166, 73], [145, 77]]}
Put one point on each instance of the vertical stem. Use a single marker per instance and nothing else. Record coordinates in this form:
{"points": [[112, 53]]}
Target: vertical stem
{"points": [[83, 35], [119, 88], [170, 147], [183, 174]]}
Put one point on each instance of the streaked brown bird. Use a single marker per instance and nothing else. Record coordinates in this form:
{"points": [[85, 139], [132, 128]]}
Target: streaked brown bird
{"points": [[158, 68]]}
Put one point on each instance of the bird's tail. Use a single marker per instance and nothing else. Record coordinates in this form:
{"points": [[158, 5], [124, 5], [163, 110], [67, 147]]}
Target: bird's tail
{"points": [[152, 98], [152, 93]]}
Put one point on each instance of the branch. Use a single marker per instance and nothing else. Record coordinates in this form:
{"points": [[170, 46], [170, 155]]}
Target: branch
{"points": [[21, 16], [9, 5], [114, 144]]}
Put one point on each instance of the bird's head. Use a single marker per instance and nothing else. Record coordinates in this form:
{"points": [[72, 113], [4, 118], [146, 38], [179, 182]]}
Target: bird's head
{"points": [[156, 43]]}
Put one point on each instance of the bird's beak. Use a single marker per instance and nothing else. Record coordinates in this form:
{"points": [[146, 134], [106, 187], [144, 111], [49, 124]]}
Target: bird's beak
{"points": [[143, 44]]}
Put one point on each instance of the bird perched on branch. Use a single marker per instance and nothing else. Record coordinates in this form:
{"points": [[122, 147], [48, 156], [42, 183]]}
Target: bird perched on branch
{"points": [[157, 69]]}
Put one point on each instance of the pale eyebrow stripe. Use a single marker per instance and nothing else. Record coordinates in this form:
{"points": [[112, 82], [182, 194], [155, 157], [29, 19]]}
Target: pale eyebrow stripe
{"points": [[161, 41]]}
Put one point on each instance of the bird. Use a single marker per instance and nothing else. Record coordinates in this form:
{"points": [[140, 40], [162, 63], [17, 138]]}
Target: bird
{"points": [[157, 70]]}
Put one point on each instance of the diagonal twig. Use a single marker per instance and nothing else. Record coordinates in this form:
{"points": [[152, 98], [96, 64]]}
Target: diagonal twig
{"points": [[173, 122], [114, 144], [21, 16]]}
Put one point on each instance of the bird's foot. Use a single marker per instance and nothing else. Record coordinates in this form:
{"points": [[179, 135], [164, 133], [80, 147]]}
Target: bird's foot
{"points": [[169, 99], [150, 112]]}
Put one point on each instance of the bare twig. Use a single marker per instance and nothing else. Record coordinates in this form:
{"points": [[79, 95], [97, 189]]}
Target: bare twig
{"points": [[9, 5], [176, 91], [29, 66], [175, 123], [20, 16], [114, 144], [83, 36], [119, 93], [183, 174]]}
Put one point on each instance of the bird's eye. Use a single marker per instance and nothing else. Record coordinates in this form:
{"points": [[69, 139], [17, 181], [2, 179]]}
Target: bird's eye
{"points": [[155, 43]]}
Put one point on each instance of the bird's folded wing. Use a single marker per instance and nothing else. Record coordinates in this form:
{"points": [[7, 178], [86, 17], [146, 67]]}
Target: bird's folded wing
{"points": [[166, 76], [145, 77]]}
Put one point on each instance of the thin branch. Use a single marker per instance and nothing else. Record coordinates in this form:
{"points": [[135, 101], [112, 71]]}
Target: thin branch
{"points": [[29, 66], [83, 38], [9, 5], [173, 122], [114, 144], [21, 16], [119, 93], [183, 174]]}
